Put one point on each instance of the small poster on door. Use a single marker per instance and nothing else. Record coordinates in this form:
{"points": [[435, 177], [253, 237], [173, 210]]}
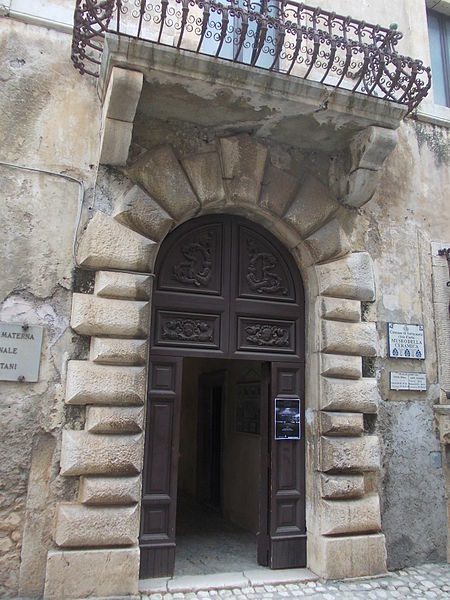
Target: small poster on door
{"points": [[287, 419]]}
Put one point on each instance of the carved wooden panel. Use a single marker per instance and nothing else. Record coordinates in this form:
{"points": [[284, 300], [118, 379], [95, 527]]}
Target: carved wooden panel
{"points": [[263, 273], [193, 262], [187, 329], [266, 335]]}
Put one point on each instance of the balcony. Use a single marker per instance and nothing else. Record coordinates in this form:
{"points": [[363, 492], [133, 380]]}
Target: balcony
{"points": [[285, 37]]}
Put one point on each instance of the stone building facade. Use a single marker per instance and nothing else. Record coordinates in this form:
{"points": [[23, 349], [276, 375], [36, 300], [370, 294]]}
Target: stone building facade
{"points": [[97, 174]]}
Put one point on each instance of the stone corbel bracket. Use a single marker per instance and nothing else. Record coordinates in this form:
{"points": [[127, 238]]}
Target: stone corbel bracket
{"points": [[119, 109], [355, 172]]}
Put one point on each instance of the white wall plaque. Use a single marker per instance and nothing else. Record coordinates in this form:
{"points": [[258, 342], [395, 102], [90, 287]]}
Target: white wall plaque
{"points": [[406, 341], [407, 381], [20, 351]]}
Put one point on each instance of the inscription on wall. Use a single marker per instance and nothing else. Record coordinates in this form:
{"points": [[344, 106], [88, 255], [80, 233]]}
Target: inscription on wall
{"points": [[406, 341], [401, 381], [20, 352]]}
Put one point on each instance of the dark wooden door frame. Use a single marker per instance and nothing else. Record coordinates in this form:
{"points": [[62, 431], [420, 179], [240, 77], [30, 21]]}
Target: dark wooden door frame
{"points": [[224, 288]]}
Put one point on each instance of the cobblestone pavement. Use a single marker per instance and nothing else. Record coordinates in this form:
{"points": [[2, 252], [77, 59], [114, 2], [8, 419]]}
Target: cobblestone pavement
{"points": [[426, 581]]}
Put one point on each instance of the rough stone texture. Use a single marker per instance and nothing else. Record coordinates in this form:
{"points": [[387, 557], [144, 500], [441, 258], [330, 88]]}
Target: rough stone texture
{"points": [[108, 244], [109, 490], [140, 212], [122, 95], [349, 277], [345, 367], [159, 172], [337, 309], [349, 338], [112, 572], [412, 462], [350, 396], [278, 190], [312, 206], [350, 454], [110, 351], [341, 423], [342, 486], [122, 285], [359, 515], [243, 162], [84, 526], [328, 242], [114, 419], [353, 556], [84, 453], [92, 315], [371, 147], [37, 528], [360, 187], [89, 383], [115, 142], [205, 174]]}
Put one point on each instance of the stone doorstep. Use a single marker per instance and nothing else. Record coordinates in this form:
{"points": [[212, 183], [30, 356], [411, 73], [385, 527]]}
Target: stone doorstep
{"points": [[196, 583]]}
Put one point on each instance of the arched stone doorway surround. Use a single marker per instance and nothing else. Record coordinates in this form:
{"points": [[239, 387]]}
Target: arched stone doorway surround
{"points": [[96, 537]]}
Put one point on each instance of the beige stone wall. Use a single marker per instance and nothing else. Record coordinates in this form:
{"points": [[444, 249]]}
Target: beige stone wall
{"points": [[49, 119]]}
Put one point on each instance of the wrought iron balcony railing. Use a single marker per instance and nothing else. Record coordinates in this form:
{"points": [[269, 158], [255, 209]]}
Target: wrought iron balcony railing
{"points": [[278, 35]]}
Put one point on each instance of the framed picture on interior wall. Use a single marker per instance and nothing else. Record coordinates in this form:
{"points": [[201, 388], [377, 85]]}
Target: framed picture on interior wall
{"points": [[248, 400]]}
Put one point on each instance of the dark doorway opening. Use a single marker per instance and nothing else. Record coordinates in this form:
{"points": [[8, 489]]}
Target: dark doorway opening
{"points": [[218, 501]]}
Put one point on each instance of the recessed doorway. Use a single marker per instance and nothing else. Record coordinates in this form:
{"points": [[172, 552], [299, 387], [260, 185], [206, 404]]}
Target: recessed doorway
{"points": [[227, 307], [219, 466]]}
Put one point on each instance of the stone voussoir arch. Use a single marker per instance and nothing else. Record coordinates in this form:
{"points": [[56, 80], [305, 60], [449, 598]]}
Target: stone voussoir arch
{"points": [[98, 532]]}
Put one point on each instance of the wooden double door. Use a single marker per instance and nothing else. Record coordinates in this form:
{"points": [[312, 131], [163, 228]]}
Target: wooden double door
{"points": [[225, 288]]}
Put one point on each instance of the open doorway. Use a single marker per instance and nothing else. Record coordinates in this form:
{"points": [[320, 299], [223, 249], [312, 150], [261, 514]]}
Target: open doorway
{"points": [[219, 483]]}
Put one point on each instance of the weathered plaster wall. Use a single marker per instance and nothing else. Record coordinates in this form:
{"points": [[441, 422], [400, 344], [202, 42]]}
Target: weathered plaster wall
{"points": [[49, 119]]}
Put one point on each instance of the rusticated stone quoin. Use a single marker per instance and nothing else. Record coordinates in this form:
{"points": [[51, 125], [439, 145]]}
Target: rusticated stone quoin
{"points": [[114, 419], [108, 244], [359, 515], [350, 454], [88, 383], [333, 423], [338, 309], [342, 486], [330, 241], [92, 573], [109, 490], [340, 366], [349, 277], [131, 286], [278, 189], [92, 315], [111, 351], [350, 396], [84, 453], [137, 210], [350, 556], [349, 338], [78, 525]]}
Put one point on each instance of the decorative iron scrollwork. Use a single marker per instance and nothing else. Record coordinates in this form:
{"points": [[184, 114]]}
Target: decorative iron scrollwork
{"points": [[262, 334], [187, 330], [197, 269], [288, 37], [261, 276]]}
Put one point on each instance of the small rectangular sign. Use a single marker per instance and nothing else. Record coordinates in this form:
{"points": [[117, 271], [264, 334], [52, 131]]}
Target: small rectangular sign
{"points": [[401, 381], [287, 419], [20, 352], [406, 341]]}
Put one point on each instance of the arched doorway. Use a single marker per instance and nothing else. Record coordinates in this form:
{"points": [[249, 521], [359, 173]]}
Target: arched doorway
{"points": [[227, 289]]}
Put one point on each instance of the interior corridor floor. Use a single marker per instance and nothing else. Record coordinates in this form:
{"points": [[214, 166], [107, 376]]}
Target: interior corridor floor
{"points": [[207, 543]]}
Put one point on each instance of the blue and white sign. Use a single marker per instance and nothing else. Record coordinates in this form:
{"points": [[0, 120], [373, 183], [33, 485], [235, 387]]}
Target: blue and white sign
{"points": [[401, 381], [406, 341]]}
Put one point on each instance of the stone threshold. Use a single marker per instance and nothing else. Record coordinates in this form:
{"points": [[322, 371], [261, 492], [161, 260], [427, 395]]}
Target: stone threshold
{"points": [[217, 581]]}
